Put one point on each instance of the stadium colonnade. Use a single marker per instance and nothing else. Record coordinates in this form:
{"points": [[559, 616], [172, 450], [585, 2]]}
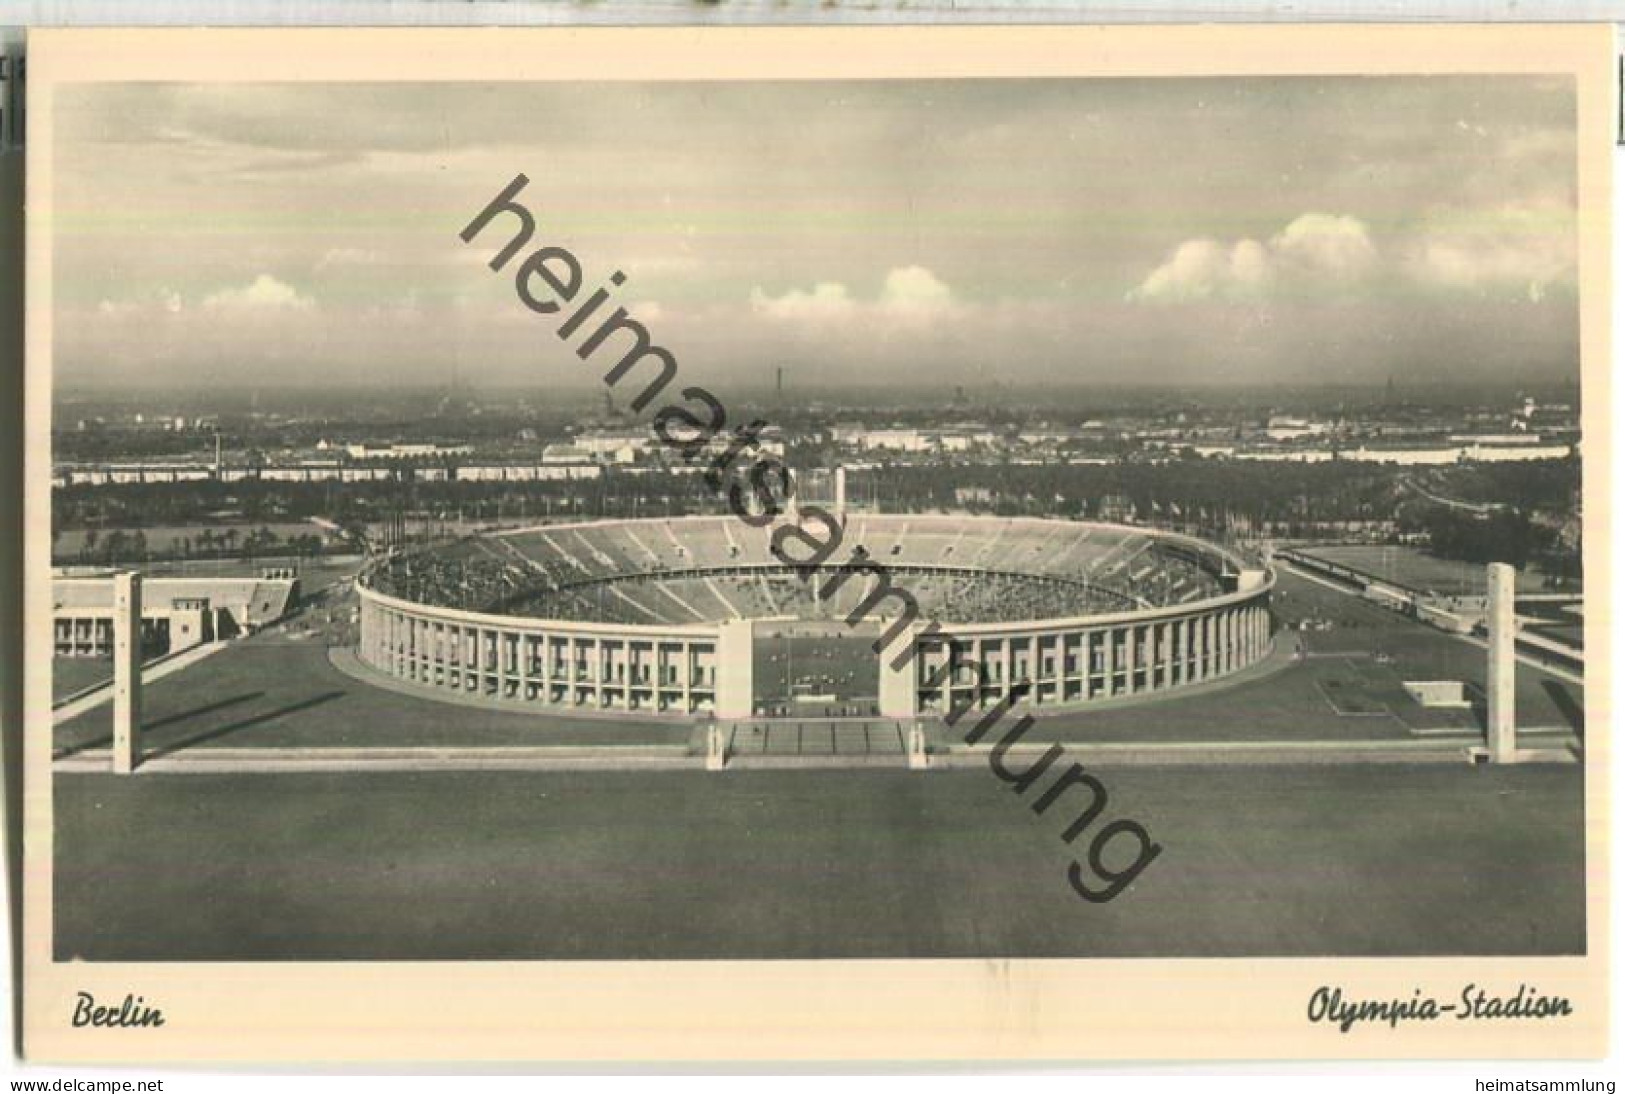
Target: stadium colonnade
{"points": [[1206, 627]]}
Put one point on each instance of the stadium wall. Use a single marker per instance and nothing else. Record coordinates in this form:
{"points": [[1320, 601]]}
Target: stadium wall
{"points": [[1097, 658], [684, 670], [652, 670]]}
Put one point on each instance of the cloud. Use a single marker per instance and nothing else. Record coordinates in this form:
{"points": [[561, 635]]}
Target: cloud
{"points": [[827, 300], [908, 295], [163, 299], [1316, 247], [1338, 246], [1526, 247], [914, 292], [1516, 249], [1202, 268], [348, 256], [264, 293]]}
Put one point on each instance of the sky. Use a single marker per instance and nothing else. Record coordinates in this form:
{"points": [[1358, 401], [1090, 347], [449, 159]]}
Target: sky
{"points": [[1173, 231]]}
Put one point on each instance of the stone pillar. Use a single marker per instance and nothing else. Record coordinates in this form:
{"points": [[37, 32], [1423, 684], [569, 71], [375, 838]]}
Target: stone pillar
{"points": [[598, 670], [126, 672], [736, 684], [899, 696], [840, 493], [687, 669], [1108, 660], [917, 758], [1131, 657], [716, 747], [1501, 677]]}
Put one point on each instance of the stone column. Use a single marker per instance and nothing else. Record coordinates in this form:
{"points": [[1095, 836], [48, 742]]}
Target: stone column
{"points": [[126, 672], [735, 690], [917, 758], [687, 669], [899, 695], [716, 747], [1501, 677]]}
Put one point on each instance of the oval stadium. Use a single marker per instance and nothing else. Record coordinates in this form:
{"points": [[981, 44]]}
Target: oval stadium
{"points": [[700, 616]]}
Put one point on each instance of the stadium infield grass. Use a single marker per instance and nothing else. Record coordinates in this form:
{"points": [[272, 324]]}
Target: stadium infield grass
{"points": [[1285, 861]]}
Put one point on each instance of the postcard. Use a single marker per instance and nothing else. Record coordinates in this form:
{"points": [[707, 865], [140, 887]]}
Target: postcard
{"points": [[817, 544]]}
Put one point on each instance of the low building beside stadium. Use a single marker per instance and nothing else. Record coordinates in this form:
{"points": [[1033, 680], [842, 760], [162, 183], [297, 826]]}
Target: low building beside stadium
{"points": [[177, 612]]}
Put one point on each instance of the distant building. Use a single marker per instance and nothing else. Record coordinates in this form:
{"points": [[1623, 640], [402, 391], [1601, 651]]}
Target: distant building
{"points": [[405, 451], [1292, 429], [555, 454]]}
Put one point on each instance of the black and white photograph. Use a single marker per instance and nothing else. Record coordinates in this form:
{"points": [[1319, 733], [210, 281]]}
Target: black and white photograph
{"points": [[788, 518]]}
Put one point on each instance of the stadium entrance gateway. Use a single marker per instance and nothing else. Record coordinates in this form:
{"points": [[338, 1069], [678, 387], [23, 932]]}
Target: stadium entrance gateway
{"points": [[815, 668]]}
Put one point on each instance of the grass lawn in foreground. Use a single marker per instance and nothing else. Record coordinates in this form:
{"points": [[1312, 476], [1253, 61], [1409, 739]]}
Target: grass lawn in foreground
{"points": [[1352, 860]]}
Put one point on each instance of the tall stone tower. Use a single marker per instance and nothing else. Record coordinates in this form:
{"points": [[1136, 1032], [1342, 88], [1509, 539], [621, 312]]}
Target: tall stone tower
{"points": [[126, 672], [1501, 731]]}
